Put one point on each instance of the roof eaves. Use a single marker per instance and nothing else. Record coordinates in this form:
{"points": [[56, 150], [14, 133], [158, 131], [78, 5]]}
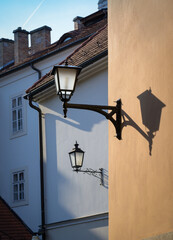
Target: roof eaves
{"points": [[34, 92]]}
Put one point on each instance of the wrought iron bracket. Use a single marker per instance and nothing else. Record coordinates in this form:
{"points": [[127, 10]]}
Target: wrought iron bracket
{"points": [[102, 110], [93, 173]]}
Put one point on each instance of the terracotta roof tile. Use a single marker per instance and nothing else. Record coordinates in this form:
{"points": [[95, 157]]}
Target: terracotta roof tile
{"points": [[92, 47], [11, 226]]}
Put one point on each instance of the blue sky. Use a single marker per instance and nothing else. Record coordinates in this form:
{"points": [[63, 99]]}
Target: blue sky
{"points": [[32, 14]]}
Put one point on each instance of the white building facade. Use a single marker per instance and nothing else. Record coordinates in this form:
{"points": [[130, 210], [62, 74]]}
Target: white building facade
{"points": [[76, 205]]}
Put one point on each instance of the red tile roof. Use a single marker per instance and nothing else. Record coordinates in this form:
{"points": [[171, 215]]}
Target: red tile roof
{"points": [[94, 46], [11, 226]]}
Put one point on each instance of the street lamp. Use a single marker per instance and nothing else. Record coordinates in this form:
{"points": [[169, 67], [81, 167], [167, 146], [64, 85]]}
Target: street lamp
{"points": [[76, 160], [65, 80], [76, 157]]}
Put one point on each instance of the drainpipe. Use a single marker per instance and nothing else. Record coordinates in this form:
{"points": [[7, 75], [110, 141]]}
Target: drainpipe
{"points": [[41, 158], [36, 69]]}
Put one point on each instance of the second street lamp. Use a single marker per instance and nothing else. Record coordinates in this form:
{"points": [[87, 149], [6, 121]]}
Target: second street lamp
{"points": [[76, 160]]}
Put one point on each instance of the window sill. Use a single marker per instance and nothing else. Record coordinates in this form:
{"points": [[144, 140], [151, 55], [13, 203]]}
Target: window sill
{"points": [[19, 203], [18, 134]]}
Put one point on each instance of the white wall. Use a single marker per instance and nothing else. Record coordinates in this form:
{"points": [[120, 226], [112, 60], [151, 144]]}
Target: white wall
{"points": [[71, 195], [23, 151], [89, 228]]}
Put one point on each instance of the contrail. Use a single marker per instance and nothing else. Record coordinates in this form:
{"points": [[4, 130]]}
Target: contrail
{"points": [[33, 13]]}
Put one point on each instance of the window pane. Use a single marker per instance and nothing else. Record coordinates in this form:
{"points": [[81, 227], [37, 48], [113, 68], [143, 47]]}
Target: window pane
{"points": [[21, 176], [14, 126], [14, 115], [15, 196], [19, 124], [21, 189], [15, 187], [22, 196], [14, 103], [20, 113], [19, 101], [15, 177]]}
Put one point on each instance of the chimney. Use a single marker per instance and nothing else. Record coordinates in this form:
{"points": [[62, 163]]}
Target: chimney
{"points": [[77, 23], [20, 45], [40, 38], [102, 4], [6, 51]]}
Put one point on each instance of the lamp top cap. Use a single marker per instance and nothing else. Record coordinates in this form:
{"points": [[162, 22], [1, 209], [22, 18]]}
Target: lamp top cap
{"points": [[76, 145], [76, 149], [66, 66]]}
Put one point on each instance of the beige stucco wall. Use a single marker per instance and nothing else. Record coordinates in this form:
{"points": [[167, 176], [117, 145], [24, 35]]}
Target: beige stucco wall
{"points": [[141, 58]]}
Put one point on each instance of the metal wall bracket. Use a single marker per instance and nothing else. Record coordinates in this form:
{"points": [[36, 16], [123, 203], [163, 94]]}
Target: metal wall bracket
{"points": [[101, 109], [94, 173]]}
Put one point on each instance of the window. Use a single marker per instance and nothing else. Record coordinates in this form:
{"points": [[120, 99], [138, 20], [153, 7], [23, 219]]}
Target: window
{"points": [[18, 118], [19, 187]]}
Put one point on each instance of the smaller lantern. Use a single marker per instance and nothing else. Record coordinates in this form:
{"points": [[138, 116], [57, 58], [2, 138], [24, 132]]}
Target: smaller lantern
{"points": [[76, 157]]}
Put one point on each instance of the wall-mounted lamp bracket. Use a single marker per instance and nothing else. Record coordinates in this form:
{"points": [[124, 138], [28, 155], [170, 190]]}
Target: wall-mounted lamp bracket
{"points": [[93, 173], [100, 109]]}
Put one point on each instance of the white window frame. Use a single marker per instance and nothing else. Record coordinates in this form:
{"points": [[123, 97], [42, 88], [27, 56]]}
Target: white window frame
{"points": [[20, 121], [19, 187]]}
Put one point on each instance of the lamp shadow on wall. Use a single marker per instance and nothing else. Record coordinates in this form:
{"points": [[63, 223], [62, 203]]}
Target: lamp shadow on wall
{"points": [[151, 110]]}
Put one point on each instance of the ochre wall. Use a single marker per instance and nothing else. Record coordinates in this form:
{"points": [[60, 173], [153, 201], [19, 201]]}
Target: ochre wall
{"points": [[141, 59]]}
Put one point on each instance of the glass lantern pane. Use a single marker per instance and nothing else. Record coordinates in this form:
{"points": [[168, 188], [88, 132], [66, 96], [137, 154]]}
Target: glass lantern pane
{"points": [[79, 159], [56, 82], [65, 94], [67, 78], [72, 159]]}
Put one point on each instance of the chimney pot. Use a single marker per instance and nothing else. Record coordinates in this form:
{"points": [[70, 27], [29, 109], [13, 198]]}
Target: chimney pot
{"points": [[6, 51], [77, 23], [102, 4], [20, 45], [40, 38]]}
